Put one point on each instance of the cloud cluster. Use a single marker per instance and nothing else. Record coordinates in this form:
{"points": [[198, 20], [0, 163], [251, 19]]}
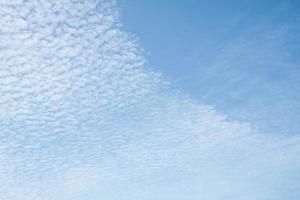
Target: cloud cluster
{"points": [[82, 118]]}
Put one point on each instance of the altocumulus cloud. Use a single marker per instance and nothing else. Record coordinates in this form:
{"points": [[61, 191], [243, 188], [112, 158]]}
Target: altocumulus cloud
{"points": [[81, 117]]}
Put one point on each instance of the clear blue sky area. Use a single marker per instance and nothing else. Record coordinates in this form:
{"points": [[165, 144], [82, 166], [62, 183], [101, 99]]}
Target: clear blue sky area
{"points": [[240, 56]]}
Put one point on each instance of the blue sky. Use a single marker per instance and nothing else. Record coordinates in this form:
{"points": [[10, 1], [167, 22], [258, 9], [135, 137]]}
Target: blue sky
{"points": [[149, 100], [240, 56]]}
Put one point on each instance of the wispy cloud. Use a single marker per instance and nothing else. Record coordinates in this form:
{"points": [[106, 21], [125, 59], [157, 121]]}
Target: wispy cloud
{"points": [[254, 76], [80, 114]]}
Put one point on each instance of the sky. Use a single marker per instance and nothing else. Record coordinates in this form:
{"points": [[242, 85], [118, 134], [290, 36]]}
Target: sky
{"points": [[229, 50], [151, 100]]}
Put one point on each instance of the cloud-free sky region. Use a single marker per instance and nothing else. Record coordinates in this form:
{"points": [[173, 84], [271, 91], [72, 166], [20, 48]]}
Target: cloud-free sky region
{"points": [[149, 100]]}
